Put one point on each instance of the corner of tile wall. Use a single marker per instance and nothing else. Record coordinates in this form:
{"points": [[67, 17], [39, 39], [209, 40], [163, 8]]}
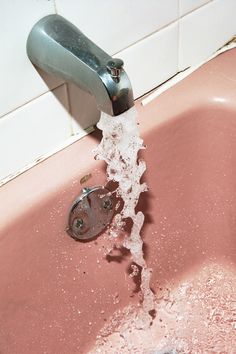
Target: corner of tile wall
{"points": [[156, 40]]}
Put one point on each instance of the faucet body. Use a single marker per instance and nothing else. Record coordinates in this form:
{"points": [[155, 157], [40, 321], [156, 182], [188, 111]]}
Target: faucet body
{"points": [[58, 47]]}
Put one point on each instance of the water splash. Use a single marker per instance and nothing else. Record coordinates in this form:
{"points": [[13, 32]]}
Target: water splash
{"points": [[198, 316], [119, 148]]}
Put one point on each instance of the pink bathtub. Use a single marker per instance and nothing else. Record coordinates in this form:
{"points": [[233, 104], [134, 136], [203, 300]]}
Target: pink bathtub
{"points": [[56, 294]]}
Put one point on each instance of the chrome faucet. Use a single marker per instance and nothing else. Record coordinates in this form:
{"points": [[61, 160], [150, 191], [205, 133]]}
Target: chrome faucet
{"points": [[58, 47]]}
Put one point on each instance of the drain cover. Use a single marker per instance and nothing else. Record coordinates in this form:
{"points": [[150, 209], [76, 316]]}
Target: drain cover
{"points": [[91, 213]]}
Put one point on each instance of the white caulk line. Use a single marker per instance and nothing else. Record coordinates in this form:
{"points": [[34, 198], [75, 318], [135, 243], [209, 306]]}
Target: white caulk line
{"points": [[182, 75]]}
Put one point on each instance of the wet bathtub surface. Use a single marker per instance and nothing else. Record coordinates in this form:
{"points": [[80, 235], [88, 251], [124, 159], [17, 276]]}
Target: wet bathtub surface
{"points": [[57, 294]]}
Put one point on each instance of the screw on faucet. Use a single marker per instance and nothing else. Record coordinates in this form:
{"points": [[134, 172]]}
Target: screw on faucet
{"points": [[79, 223], [114, 67], [107, 204]]}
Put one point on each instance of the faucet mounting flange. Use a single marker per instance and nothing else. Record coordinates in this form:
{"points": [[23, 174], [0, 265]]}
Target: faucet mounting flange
{"points": [[91, 213]]}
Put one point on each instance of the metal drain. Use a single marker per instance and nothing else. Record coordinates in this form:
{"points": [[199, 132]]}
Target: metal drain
{"points": [[91, 213]]}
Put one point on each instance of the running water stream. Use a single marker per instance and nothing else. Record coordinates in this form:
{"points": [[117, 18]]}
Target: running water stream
{"points": [[119, 148], [195, 315]]}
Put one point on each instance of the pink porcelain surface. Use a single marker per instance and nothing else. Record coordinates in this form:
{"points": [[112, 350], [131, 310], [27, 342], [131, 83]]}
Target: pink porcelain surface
{"points": [[56, 294]]}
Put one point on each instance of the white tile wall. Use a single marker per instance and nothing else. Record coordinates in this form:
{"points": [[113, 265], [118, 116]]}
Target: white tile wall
{"points": [[117, 25], [156, 38], [205, 30], [33, 130], [145, 59], [20, 82], [186, 6]]}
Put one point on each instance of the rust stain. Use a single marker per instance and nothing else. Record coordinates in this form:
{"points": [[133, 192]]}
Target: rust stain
{"points": [[85, 178]]}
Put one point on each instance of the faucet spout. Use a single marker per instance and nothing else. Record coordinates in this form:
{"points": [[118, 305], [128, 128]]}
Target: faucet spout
{"points": [[59, 48]]}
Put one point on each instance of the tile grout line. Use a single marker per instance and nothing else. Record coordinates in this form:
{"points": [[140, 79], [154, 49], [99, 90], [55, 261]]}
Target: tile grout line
{"points": [[62, 145], [72, 133], [30, 101], [195, 9], [178, 29], [55, 6], [25, 103], [147, 36], [186, 72], [163, 27]]}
